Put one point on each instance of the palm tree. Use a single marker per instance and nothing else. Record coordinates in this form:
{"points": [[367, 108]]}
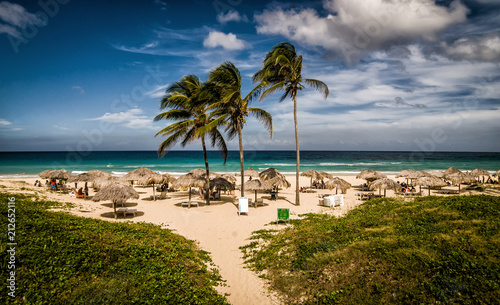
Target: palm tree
{"points": [[189, 110], [233, 108], [282, 70]]}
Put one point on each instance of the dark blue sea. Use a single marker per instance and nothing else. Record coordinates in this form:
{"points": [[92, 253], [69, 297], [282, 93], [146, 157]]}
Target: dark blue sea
{"points": [[175, 162]]}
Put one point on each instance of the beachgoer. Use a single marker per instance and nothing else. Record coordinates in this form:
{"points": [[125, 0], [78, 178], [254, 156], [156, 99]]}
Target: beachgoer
{"points": [[86, 189], [80, 191]]}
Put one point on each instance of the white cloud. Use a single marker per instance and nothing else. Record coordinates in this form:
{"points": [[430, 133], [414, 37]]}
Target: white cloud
{"points": [[132, 118], [157, 92], [231, 15], [227, 41], [79, 89], [17, 18], [485, 48], [356, 26], [4, 122]]}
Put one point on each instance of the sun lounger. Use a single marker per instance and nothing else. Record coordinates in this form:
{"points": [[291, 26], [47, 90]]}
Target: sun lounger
{"points": [[126, 211], [186, 203]]}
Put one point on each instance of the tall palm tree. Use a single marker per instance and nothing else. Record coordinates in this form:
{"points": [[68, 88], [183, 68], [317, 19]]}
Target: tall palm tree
{"points": [[189, 109], [282, 71], [233, 108]]}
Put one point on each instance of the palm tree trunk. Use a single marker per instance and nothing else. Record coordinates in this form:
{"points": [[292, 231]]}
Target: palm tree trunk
{"points": [[297, 196], [206, 167], [242, 165]]}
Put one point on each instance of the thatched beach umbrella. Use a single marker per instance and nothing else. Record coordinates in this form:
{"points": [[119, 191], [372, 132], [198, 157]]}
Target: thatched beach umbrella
{"points": [[257, 185], [451, 171], [430, 181], [221, 183], [405, 173], [229, 177], [138, 174], [190, 180], [439, 174], [99, 183], [45, 174], [203, 172], [251, 172], [338, 183], [273, 176], [459, 178], [90, 176], [479, 172], [59, 174], [384, 183], [313, 174], [156, 178], [117, 193], [497, 173], [370, 175]]}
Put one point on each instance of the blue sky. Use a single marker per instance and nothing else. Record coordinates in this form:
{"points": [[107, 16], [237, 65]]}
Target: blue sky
{"points": [[416, 75]]}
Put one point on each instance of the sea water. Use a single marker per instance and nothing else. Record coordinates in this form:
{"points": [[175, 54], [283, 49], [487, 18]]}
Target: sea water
{"points": [[177, 162]]}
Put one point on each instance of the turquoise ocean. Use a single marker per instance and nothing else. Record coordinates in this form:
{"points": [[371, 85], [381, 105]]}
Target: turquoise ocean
{"points": [[118, 163]]}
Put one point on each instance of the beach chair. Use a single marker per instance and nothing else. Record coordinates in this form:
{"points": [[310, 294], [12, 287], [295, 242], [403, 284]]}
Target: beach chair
{"points": [[260, 202], [186, 203], [125, 211], [75, 194], [243, 205]]}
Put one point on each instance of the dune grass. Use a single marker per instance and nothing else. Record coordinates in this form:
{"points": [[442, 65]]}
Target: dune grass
{"points": [[64, 259], [387, 251]]}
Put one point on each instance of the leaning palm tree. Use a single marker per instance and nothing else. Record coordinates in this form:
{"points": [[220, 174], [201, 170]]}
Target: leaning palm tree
{"points": [[189, 111], [233, 108], [282, 71]]}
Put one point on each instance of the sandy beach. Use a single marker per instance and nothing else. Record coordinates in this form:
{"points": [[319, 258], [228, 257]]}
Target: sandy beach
{"points": [[217, 228]]}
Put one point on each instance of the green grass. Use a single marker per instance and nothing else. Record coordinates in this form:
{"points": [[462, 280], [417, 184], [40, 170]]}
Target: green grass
{"points": [[387, 251], [63, 259]]}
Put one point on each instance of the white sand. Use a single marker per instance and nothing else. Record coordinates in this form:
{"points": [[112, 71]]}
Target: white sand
{"points": [[217, 228]]}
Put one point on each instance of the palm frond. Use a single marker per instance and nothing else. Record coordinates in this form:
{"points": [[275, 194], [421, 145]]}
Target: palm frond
{"points": [[264, 117], [318, 85]]}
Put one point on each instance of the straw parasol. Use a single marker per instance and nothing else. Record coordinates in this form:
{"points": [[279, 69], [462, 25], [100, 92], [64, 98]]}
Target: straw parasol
{"points": [[156, 178], [405, 173], [384, 183], [221, 183], [257, 185], [90, 176], [451, 171], [138, 174], [251, 172], [55, 174], [105, 181], [497, 173], [116, 193], [45, 174], [190, 180], [338, 183], [459, 178], [430, 181], [229, 177], [479, 172], [274, 177], [313, 174], [439, 174], [370, 175]]}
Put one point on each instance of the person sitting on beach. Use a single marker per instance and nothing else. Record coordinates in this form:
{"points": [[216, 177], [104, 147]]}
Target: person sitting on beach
{"points": [[80, 191]]}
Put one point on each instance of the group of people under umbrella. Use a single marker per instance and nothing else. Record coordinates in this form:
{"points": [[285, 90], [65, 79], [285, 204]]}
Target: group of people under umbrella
{"points": [[120, 189]]}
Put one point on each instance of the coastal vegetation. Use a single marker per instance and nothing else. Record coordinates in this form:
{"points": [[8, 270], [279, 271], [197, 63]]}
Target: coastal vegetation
{"points": [[64, 259], [189, 108], [200, 108], [233, 108], [282, 71], [387, 251]]}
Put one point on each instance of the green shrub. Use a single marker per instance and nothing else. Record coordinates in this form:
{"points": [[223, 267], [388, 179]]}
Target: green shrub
{"points": [[435, 249], [63, 259]]}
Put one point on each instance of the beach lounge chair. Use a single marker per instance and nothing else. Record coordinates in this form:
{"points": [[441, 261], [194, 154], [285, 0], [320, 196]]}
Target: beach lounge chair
{"points": [[186, 203], [243, 205], [125, 211], [75, 194], [260, 202]]}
